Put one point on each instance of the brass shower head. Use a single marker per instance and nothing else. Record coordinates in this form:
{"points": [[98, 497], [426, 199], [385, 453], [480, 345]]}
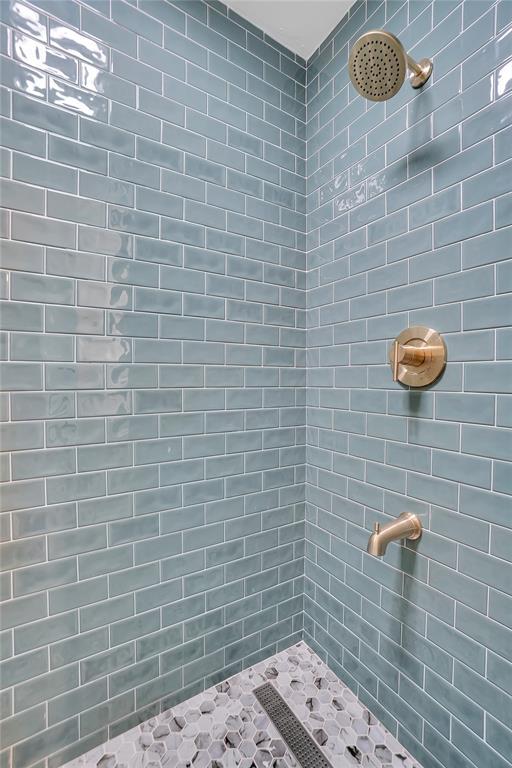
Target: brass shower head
{"points": [[378, 64]]}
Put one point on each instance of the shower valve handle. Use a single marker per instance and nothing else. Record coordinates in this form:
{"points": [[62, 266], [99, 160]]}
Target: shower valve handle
{"points": [[417, 356], [404, 354]]}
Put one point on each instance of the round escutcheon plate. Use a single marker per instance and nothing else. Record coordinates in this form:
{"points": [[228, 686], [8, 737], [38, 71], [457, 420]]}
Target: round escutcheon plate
{"points": [[432, 343]]}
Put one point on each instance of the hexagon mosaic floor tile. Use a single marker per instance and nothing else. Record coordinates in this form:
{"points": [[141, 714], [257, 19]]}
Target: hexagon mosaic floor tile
{"points": [[225, 727]]}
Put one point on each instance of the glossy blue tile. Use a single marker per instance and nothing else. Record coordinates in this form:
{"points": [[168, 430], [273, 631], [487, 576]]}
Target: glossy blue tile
{"points": [[136, 72], [41, 230], [463, 165], [78, 100], [28, 20], [465, 285], [69, 208], [486, 185], [140, 23], [215, 225], [75, 44], [78, 155], [45, 117], [463, 225], [111, 34], [28, 81], [487, 122], [503, 211], [487, 313], [21, 197], [487, 441], [464, 105], [40, 56]]}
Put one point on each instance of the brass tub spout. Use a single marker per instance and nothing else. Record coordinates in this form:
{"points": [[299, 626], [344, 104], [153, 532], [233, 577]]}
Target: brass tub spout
{"points": [[406, 526]]}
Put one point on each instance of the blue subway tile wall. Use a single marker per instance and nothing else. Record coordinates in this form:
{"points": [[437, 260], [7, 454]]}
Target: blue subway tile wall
{"points": [[408, 206], [153, 343], [155, 163]]}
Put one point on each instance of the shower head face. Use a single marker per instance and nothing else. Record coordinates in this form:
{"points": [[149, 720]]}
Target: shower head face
{"points": [[377, 65]]}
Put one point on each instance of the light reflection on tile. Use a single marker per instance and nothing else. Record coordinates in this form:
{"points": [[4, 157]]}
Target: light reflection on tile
{"points": [[24, 18], [88, 104], [91, 349], [348, 200], [75, 44], [338, 184], [26, 80], [105, 83], [504, 79], [92, 294], [39, 56], [5, 40]]}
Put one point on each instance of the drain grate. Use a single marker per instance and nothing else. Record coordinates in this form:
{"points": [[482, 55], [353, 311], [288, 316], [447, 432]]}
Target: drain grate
{"points": [[297, 739]]}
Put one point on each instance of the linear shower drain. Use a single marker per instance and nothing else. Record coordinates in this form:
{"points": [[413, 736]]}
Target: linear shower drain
{"points": [[297, 739]]}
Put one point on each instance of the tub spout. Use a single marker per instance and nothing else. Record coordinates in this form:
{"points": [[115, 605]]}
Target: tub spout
{"points": [[406, 526]]}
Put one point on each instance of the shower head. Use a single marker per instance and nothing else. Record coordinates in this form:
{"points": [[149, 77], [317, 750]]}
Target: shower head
{"points": [[378, 64]]}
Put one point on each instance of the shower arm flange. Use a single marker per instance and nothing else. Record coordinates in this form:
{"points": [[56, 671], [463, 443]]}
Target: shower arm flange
{"points": [[420, 71]]}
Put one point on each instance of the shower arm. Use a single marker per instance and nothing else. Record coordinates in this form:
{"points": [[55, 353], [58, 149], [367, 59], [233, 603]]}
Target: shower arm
{"points": [[420, 71], [413, 65]]}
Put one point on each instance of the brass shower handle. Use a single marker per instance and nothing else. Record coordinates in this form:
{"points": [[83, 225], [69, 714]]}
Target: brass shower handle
{"points": [[405, 354], [417, 356]]}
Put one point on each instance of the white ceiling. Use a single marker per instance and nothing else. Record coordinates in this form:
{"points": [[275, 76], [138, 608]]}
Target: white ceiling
{"points": [[300, 25]]}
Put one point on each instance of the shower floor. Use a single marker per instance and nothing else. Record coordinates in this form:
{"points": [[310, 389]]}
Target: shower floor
{"points": [[225, 727]]}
